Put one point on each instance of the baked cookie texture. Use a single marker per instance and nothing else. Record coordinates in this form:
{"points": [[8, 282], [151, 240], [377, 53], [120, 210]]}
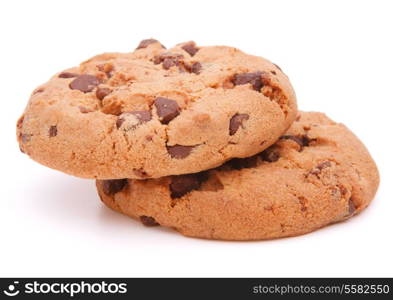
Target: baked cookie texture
{"points": [[157, 112], [316, 174]]}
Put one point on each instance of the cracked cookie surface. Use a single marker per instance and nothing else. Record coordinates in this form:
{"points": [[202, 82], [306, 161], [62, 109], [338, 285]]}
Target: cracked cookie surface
{"points": [[156, 112], [316, 174]]}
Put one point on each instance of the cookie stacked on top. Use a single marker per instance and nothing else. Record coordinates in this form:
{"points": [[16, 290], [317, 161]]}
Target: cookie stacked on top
{"points": [[206, 140]]}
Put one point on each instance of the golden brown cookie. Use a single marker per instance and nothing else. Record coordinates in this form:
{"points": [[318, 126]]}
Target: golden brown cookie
{"points": [[318, 173], [157, 112]]}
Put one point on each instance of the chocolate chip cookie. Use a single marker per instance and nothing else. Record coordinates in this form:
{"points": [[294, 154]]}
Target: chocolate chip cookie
{"points": [[316, 174], [156, 112]]}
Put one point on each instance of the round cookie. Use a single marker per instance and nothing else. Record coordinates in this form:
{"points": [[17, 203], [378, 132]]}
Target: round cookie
{"points": [[157, 112], [318, 173]]}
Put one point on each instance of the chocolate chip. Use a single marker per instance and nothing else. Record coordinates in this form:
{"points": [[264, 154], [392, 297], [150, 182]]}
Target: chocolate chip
{"points": [[160, 58], [196, 68], [183, 184], [270, 154], [237, 121], [67, 75], [306, 140], [168, 59], [119, 122], [296, 139], [101, 93], [168, 63], [148, 221], [241, 163], [113, 186], [351, 207], [317, 170], [303, 203], [167, 109], [302, 141], [84, 83], [179, 151], [143, 116], [190, 48], [147, 42], [255, 79], [53, 131]]}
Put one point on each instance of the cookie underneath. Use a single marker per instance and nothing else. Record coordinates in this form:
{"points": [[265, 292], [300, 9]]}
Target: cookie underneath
{"points": [[318, 173]]}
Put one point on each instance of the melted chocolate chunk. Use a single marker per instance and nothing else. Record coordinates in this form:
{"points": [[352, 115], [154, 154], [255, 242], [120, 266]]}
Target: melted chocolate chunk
{"points": [[196, 68], [52, 131], [167, 109], [67, 75], [302, 141], [190, 48], [101, 93], [84, 83], [237, 121], [351, 207], [143, 116], [255, 79], [148, 221], [179, 151], [183, 184], [113, 186], [270, 154], [147, 42], [306, 140], [119, 122], [296, 139], [168, 59], [168, 63], [317, 170], [241, 163]]}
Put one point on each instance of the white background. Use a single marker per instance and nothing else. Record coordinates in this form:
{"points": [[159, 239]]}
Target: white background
{"points": [[338, 55]]}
